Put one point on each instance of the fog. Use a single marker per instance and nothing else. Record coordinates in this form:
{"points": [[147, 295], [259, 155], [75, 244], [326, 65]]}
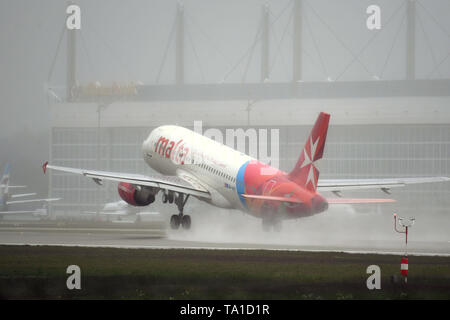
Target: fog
{"points": [[339, 226], [134, 41]]}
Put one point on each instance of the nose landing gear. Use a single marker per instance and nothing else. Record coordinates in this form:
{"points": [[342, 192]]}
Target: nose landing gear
{"points": [[180, 219]]}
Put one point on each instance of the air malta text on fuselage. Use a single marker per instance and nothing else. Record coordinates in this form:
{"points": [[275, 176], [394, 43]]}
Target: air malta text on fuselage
{"points": [[176, 151]]}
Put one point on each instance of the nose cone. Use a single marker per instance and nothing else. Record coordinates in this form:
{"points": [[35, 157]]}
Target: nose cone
{"points": [[319, 204]]}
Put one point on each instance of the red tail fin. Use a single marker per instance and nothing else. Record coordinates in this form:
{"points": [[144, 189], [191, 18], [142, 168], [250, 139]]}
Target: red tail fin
{"points": [[305, 172]]}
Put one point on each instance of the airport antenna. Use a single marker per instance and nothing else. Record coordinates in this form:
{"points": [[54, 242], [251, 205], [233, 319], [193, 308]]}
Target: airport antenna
{"points": [[404, 224]]}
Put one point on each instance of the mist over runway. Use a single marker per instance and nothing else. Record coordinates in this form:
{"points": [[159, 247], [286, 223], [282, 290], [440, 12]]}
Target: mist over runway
{"points": [[335, 230]]}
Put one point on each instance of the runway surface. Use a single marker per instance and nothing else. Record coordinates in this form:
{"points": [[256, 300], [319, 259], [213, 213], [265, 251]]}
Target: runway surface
{"points": [[121, 237]]}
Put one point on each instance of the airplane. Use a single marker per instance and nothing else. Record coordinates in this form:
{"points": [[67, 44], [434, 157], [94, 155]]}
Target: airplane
{"points": [[121, 209], [194, 165], [7, 199]]}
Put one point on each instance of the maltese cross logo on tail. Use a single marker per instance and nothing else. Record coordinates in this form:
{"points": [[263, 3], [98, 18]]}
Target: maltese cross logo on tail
{"points": [[305, 172], [310, 161]]}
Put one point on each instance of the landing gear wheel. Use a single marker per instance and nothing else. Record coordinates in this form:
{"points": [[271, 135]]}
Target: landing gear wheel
{"points": [[175, 221], [186, 222], [178, 219], [165, 198]]}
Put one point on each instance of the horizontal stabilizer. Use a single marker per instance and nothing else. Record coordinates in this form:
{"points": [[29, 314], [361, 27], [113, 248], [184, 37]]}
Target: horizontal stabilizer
{"points": [[382, 183], [270, 198], [12, 187], [171, 183], [355, 201], [17, 212]]}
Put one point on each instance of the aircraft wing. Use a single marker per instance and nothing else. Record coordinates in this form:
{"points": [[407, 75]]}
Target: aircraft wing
{"points": [[384, 184], [32, 200], [22, 195], [17, 212], [172, 183]]}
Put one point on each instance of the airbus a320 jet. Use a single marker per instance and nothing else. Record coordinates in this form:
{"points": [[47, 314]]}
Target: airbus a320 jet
{"points": [[194, 165], [7, 199]]}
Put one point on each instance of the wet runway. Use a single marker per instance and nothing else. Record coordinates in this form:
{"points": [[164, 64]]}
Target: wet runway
{"points": [[161, 239]]}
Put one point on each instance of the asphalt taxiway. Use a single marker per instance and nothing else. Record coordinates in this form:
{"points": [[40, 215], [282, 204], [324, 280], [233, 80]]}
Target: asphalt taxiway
{"points": [[160, 238]]}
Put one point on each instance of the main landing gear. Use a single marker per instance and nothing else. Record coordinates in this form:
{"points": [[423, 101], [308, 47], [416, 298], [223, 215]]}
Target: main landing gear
{"points": [[178, 219]]}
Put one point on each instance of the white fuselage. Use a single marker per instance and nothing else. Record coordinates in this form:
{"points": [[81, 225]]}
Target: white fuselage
{"points": [[177, 151]]}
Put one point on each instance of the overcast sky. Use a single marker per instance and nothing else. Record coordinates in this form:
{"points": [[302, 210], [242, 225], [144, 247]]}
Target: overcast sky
{"points": [[126, 40]]}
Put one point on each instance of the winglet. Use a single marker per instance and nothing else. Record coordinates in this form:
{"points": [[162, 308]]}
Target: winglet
{"points": [[44, 166]]}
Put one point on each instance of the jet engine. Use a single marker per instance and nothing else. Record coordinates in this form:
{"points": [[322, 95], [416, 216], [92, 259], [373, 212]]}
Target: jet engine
{"points": [[135, 195]]}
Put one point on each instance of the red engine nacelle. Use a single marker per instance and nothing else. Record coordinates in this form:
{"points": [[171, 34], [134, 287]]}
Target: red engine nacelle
{"points": [[135, 195]]}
